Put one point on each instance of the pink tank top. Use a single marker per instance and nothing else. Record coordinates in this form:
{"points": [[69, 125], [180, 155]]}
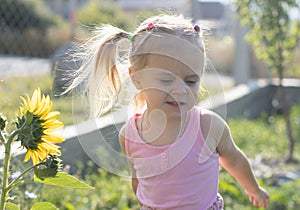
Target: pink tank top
{"points": [[183, 175]]}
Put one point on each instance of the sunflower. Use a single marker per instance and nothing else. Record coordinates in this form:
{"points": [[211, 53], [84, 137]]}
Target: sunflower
{"points": [[36, 124]]}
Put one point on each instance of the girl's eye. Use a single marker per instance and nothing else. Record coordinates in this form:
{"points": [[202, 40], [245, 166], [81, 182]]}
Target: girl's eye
{"points": [[191, 82], [166, 81]]}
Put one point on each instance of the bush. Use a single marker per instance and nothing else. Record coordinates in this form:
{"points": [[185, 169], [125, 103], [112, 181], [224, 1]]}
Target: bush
{"points": [[105, 12], [27, 29]]}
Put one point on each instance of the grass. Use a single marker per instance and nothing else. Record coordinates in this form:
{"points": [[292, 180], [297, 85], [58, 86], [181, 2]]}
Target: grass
{"points": [[12, 88], [265, 141], [266, 136]]}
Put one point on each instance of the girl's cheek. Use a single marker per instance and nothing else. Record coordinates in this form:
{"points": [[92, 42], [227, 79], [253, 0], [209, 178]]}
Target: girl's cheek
{"points": [[159, 87]]}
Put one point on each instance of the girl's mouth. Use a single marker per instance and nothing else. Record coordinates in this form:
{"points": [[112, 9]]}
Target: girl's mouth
{"points": [[175, 104]]}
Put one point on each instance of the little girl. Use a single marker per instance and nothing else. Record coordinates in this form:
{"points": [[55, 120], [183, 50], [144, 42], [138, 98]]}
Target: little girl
{"points": [[173, 147]]}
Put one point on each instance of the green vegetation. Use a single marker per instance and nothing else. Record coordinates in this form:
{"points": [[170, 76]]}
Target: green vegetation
{"points": [[25, 13], [274, 35], [105, 12], [266, 143], [11, 89], [28, 28]]}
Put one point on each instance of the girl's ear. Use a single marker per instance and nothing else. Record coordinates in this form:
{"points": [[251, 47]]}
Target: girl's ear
{"points": [[135, 78]]}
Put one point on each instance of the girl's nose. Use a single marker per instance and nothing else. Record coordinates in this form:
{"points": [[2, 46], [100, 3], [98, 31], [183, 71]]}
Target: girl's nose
{"points": [[180, 88]]}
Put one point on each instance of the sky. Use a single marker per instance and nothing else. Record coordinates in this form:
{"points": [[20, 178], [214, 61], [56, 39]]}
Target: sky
{"points": [[222, 1], [295, 13], [229, 1]]}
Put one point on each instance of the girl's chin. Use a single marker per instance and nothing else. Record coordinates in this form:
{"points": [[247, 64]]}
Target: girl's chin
{"points": [[177, 109]]}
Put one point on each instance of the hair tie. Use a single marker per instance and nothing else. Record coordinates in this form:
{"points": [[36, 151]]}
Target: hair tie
{"points": [[196, 27], [130, 36], [150, 26]]}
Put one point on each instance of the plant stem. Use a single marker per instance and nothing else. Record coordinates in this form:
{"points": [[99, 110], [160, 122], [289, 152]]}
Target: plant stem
{"points": [[7, 157], [2, 138], [5, 175], [16, 181], [19, 183]]}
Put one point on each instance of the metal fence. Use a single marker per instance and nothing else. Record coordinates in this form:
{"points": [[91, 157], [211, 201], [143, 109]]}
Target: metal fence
{"points": [[29, 28]]}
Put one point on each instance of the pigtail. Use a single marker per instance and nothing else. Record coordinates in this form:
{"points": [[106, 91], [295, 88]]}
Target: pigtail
{"points": [[99, 71]]}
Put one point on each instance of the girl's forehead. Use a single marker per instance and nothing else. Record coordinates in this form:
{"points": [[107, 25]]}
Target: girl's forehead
{"points": [[180, 50], [164, 65]]}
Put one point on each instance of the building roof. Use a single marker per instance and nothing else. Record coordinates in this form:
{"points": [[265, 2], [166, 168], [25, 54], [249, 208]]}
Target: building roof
{"points": [[152, 4], [209, 10]]}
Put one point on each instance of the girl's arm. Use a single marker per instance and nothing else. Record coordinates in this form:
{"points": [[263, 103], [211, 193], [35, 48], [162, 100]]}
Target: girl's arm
{"points": [[134, 180], [232, 158]]}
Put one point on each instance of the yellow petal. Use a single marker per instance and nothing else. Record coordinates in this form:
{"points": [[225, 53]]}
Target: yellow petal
{"points": [[22, 111], [41, 107], [53, 138], [51, 122], [42, 154], [48, 107], [27, 156], [24, 102], [52, 115], [34, 157], [33, 101], [51, 126], [50, 148], [43, 151]]}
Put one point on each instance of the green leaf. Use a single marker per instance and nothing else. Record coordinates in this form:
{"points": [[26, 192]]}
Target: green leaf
{"points": [[43, 206], [64, 180], [11, 206]]}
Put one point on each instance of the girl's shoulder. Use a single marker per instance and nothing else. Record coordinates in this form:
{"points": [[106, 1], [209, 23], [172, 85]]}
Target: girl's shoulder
{"points": [[212, 125], [211, 118]]}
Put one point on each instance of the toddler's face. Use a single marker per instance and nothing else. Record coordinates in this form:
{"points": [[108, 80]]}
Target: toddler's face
{"points": [[168, 84]]}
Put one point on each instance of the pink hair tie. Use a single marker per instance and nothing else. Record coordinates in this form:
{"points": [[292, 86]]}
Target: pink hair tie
{"points": [[150, 26], [196, 28]]}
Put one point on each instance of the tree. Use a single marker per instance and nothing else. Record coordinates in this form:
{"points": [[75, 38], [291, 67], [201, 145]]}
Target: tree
{"points": [[19, 15], [28, 28], [274, 35], [104, 12]]}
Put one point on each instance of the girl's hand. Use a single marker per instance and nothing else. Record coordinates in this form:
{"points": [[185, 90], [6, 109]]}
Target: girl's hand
{"points": [[260, 198]]}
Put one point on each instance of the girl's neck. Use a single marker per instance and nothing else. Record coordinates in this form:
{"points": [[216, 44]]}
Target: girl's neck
{"points": [[157, 129]]}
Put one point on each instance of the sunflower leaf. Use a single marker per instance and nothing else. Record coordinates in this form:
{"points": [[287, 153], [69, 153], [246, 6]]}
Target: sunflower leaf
{"points": [[64, 180], [44, 206], [11, 206]]}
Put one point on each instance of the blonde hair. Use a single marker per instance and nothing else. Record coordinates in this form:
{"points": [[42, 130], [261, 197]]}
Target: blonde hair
{"points": [[101, 55]]}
